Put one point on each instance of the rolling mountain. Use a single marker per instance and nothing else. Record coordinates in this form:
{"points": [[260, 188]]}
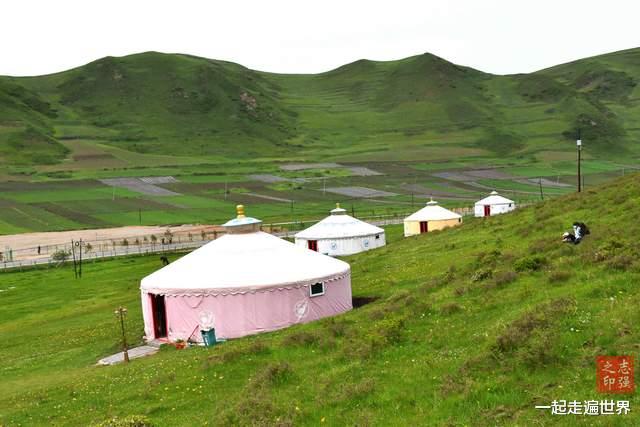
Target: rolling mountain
{"points": [[181, 105]]}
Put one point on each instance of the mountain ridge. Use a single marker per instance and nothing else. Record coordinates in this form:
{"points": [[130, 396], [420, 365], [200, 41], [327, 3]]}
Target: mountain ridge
{"points": [[178, 104]]}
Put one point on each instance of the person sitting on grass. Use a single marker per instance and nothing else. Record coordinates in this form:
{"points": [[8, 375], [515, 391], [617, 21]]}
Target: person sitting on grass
{"points": [[580, 230]]}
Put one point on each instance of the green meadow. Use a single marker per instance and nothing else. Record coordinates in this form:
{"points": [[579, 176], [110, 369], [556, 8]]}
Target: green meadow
{"points": [[468, 326]]}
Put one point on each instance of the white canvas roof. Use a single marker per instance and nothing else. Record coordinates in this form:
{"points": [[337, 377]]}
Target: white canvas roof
{"points": [[494, 199], [432, 212], [339, 225], [243, 262]]}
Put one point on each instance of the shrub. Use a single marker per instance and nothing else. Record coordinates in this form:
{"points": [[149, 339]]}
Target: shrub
{"points": [[460, 290], [336, 328], [441, 280], [607, 251], [504, 278], [558, 276], [60, 255], [530, 263], [482, 274], [391, 330], [520, 330], [300, 338], [450, 308], [487, 258], [128, 421], [543, 245], [273, 374], [620, 262]]}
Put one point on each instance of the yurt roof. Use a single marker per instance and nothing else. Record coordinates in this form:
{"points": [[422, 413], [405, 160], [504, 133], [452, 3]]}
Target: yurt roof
{"points": [[339, 225], [432, 212], [494, 199], [241, 262]]}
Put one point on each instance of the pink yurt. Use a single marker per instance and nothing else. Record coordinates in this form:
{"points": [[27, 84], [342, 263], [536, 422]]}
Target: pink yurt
{"points": [[243, 283]]}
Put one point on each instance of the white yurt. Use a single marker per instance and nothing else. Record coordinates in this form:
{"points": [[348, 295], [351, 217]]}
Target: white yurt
{"points": [[430, 218], [242, 283], [493, 204], [341, 234]]}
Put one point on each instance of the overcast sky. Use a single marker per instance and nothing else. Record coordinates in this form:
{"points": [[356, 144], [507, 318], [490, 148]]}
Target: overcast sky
{"points": [[510, 36]]}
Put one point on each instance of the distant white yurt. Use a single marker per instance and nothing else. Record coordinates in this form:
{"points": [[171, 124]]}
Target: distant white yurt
{"points": [[242, 283], [341, 234], [494, 204], [430, 218]]}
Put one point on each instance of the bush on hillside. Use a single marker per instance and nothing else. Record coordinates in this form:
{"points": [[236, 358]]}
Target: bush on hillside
{"points": [[301, 338], [450, 308], [522, 329], [503, 278], [620, 262], [273, 374], [482, 274], [128, 421], [530, 263], [558, 276]]}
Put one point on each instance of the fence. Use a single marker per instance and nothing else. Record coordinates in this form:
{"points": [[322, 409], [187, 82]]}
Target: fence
{"points": [[144, 245]]}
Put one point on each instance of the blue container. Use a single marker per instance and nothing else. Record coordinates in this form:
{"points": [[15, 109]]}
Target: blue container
{"points": [[209, 337]]}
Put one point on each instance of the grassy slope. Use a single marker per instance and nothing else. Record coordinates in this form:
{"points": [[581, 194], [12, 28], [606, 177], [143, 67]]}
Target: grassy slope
{"points": [[443, 343], [184, 106]]}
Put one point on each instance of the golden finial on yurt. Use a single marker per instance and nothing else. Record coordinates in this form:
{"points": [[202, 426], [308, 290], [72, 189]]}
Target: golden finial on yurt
{"points": [[240, 211]]}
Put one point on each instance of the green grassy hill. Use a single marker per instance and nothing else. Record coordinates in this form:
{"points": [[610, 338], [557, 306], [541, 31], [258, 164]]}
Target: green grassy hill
{"points": [[181, 105], [469, 326]]}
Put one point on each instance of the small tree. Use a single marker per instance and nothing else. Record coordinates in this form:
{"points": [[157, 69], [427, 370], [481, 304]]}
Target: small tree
{"points": [[137, 242], [88, 247], [60, 256], [125, 242], [168, 235], [154, 239], [203, 235]]}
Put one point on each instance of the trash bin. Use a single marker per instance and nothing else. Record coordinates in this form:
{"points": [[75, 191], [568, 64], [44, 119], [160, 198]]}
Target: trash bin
{"points": [[209, 337]]}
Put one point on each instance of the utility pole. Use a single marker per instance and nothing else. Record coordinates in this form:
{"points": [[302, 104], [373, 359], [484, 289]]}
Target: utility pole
{"points": [[122, 312], [541, 193], [80, 262], [73, 254], [579, 147]]}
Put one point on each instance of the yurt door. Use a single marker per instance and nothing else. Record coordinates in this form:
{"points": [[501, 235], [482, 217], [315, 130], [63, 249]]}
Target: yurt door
{"points": [[424, 226], [159, 316], [313, 245], [487, 210]]}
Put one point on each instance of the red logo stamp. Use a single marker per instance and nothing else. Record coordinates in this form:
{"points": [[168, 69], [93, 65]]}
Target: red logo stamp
{"points": [[615, 374]]}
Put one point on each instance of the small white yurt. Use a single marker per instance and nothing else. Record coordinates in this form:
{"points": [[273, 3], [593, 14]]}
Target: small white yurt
{"points": [[430, 218], [341, 234], [494, 204], [242, 283]]}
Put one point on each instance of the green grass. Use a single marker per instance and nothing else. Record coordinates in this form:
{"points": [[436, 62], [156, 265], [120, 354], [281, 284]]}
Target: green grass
{"points": [[467, 329]]}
